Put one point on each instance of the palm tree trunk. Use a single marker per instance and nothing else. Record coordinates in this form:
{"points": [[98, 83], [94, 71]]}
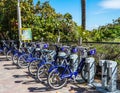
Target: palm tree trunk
{"points": [[83, 9]]}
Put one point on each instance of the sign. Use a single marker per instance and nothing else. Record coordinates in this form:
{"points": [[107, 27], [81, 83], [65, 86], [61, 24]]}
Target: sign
{"points": [[26, 34]]}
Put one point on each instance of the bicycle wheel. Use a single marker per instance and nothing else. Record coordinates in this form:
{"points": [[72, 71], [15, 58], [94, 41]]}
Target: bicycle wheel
{"points": [[84, 72], [15, 59], [9, 55], [33, 67], [5, 51], [42, 73], [55, 81], [22, 61]]}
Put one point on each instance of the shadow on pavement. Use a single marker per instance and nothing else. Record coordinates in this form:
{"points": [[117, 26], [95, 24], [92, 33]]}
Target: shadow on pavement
{"points": [[79, 89], [41, 89], [20, 76], [26, 82], [19, 81], [8, 65], [3, 58], [30, 82], [11, 68]]}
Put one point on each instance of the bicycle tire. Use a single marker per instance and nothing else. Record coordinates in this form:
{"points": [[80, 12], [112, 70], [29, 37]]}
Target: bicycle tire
{"points": [[9, 55], [54, 77], [85, 75], [5, 51], [15, 59], [32, 68], [22, 62], [42, 72]]}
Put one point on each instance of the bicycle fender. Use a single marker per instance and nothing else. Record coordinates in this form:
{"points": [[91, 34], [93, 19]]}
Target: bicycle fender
{"points": [[54, 67], [60, 69], [32, 59], [1, 50]]}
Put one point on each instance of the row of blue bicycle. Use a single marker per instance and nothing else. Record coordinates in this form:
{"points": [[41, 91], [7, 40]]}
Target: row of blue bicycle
{"points": [[54, 63]]}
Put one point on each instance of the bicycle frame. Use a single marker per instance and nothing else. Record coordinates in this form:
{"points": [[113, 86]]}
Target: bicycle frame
{"points": [[66, 69], [44, 60]]}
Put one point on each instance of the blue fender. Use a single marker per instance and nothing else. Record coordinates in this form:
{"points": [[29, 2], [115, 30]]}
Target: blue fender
{"points": [[41, 63], [54, 67], [32, 59], [59, 68], [1, 50]]}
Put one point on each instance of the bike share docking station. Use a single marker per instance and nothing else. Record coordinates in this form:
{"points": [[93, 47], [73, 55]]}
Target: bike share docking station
{"points": [[90, 69], [108, 77]]}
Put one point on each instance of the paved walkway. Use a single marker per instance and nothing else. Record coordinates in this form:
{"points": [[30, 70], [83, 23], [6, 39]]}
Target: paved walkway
{"points": [[13, 80]]}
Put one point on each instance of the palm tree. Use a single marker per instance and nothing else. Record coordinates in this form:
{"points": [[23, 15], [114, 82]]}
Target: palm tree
{"points": [[83, 9]]}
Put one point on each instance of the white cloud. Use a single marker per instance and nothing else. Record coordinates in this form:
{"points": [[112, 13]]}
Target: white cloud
{"points": [[110, 4], [100, 12], [94, 26]]}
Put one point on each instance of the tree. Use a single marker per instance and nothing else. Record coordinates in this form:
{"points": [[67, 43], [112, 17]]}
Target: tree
{"points": [[109, 32], [9, 12], [41, 18]]}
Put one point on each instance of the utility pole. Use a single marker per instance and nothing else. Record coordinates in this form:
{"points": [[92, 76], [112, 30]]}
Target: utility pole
{"points": [[19, 21], [83, 9]]}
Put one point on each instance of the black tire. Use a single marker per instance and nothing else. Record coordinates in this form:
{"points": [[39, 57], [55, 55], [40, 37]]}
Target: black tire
{"points": [[33, 67], [9, 55], [22, 61], [42, 72], [84, 72], [5, 51], [15, 59], [54, 80]]}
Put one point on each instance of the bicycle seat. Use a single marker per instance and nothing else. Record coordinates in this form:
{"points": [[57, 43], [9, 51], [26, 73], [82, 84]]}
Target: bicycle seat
{"points": [[62, 55]]}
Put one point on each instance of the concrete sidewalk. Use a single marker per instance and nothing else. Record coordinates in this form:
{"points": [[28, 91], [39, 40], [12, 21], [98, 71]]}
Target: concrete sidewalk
{"points": [[13, 80]]}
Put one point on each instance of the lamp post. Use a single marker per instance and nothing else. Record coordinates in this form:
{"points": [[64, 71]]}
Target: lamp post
{"points": [[19, 20]]}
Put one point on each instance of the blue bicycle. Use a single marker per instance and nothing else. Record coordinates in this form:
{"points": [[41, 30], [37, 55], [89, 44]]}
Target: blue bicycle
{"points": [[41, 59], [46, 65], [23, 60], [4, 47], [17, 53], [59, 75], [12, 50]]}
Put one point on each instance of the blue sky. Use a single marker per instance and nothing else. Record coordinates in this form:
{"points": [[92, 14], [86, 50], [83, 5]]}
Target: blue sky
{"points": [[99, 12]]}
